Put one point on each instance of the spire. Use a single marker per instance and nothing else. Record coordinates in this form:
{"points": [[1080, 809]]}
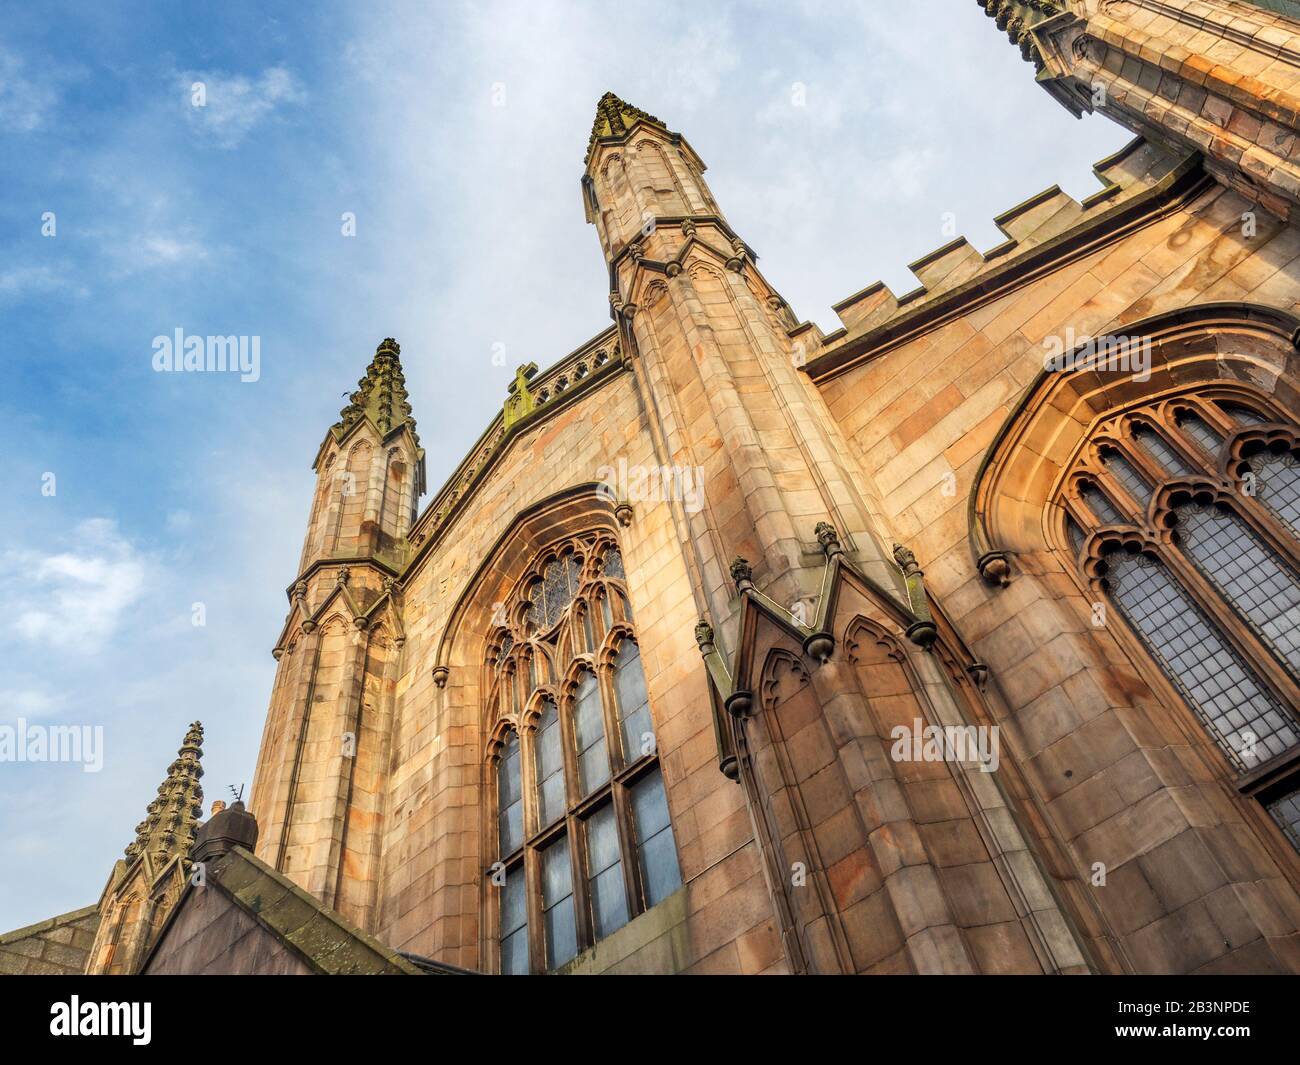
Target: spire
{"points": [[380, 395], [613, 120], [172, 818], [1018, 17]]}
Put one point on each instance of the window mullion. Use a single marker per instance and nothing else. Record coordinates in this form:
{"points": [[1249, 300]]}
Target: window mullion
{"points": [[1232, 627], [581, 901], [632, 886], [536, 910]]}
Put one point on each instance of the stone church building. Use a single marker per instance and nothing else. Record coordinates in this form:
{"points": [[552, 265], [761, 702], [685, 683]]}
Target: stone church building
{"points": [[964, 638]]}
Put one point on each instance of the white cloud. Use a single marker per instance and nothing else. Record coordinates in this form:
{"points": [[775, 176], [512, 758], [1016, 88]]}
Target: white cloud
{"points": [[18, 282], [233, 105], [74, 598], [26, 98], [30, 703]]}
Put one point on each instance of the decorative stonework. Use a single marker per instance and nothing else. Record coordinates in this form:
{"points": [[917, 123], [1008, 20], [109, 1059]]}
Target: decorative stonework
{"points": [[380, 396], [614, 120], [172, 818]]}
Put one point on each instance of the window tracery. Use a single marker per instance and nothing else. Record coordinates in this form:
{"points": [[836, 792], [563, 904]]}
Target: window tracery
{"points": [[583, 839], [1183, 513]]}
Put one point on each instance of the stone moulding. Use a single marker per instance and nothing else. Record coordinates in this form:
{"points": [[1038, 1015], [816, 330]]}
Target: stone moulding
{"points": [[583, 504], [815, 638], [992, 546]]}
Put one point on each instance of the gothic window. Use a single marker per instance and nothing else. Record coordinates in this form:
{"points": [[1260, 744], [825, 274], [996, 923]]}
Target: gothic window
{"points": [[583, 837], [1178, 517]]}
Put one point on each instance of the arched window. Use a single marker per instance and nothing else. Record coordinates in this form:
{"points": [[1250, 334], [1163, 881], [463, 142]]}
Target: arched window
{"points": [[1182, 514], [584, 840]]}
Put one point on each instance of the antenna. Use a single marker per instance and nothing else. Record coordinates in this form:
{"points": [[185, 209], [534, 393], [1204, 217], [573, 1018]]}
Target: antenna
{"points": [[238, 794]]}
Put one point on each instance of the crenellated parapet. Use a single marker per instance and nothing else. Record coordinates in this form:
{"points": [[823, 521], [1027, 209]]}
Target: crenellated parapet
{"points": [[1140, 183]]}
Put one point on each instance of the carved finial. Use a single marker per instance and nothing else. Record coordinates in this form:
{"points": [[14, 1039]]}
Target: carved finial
{"points": [[704, 636], [388, 346], [742, 573], [164, 837]]}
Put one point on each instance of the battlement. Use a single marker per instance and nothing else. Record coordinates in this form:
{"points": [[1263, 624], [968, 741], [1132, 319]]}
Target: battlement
{"points": [[958, 269]]}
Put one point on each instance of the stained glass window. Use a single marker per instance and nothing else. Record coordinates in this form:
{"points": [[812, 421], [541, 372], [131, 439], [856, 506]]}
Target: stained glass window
{"points": [[1286, 812], [557, 904], [612, 566], [1264, 591], [1242, 715], [510, 799], [589, 730], [548, 746], [1277, 485], [655, 849], [605, 872], [592, 740], [1160, 449], [1126, 474], [514, 924], [633, 707], [1235, 658], [1200, 431]]}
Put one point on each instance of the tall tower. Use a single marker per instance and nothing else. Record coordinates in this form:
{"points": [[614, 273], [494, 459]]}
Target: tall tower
{"points": [[143, 888], [717, 351], [1213, 76], [317, 792]]}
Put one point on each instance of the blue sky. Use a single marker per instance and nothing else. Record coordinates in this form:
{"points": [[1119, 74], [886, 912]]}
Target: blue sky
{"points": [[176, 489]]}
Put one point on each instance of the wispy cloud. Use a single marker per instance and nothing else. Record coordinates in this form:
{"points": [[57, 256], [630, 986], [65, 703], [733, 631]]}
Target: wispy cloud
{"points": [[227, 107], [20, 282], [74, 598], [27, 95]]}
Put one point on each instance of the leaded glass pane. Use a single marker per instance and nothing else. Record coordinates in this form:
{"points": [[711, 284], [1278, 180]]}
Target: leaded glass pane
{"points": [[612, 565], [1075, 534], [656, 852], [1126, 474], [633, 705], [1242, 715], [1202, 432], [605, 872], [1244, 415], [510, 797], [1160, 449], [1263, 591], [557, 904], [589, 728], [555, 591], [1277, 485], [514, 924], [549, 749], [507, 642], [1286, 812], [606, 612], [1101, 505]]}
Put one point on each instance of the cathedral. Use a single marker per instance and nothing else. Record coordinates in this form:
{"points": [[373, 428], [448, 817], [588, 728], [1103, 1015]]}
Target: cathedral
{"points": [[964, 638]]}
